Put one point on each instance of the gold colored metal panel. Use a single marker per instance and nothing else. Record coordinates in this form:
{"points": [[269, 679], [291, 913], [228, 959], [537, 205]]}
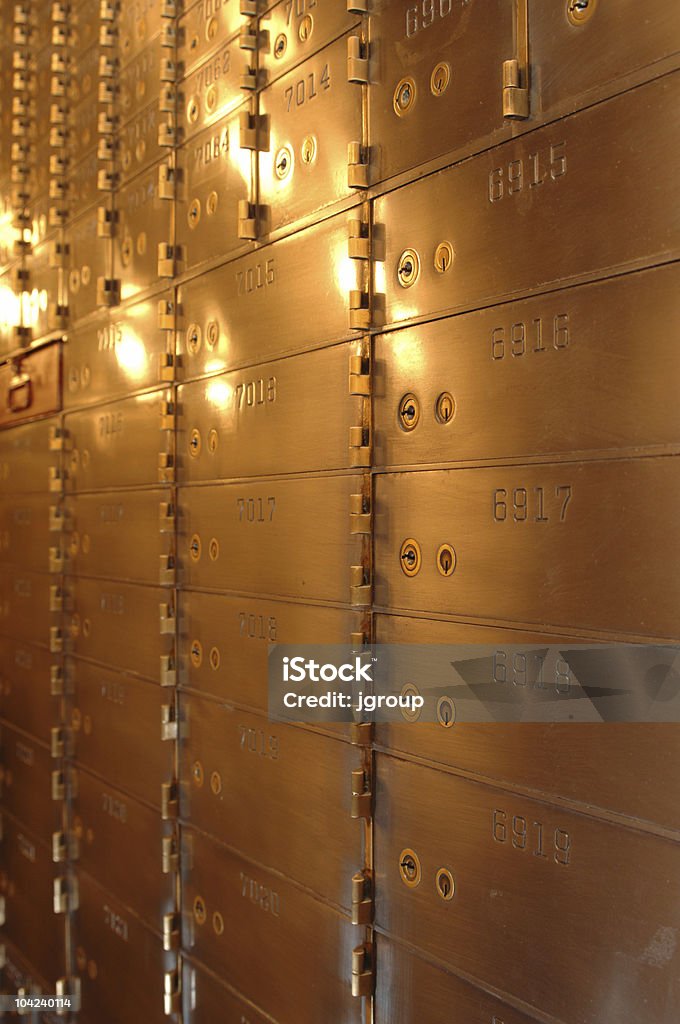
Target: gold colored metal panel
{"points": [[138, 25], [17, 973], [83, 28], [138, 82], [571, 58], [118, 624], [207, 999], [230, 756], [120, 962], [435, 79], [116, 723], [137, 143], [216, 176], [293, 415], [25, 680], [81, 187], [291, 32], [117, 354], [88, 258], [601, 765], [285, 537], [83, 80], [532, 870], [201, 29], [119, 844], [26, 784], [42, 292], [81, 127], [314, 113], [250, 916], [522, 537], [26, 878], [25, 457], [212, 90], [530, 213], [117, 535], [410, 988], [24, 532], [118, 444], [25, 605], [144, 223], [473, 379], [297, 290], [224, 641]]}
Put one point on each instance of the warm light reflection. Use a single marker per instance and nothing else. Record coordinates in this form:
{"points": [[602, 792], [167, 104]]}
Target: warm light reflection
{"points": [[32, 304], [213, 365], [131, 354], [219, 392], [9, 307]]}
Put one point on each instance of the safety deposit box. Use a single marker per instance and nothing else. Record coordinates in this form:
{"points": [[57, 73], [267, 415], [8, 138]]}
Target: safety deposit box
{"points": [[230, 756], [511, 543], [514, 865], [26, 783], [236, 913]]}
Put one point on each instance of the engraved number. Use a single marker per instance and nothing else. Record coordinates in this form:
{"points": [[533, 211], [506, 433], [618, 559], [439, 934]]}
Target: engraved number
{"points": [[524, 834], [523, 507], [261, 895], [253, 278], [306, 88], [296, 8], [255, 392], [519, 175], [521, 338], [422, 15], [256, 741], [257, 627], [256, 510]]}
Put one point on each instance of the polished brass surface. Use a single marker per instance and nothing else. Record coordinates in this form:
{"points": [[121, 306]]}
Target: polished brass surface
{"points": [[350, 322], [26, 783], [119, 843], [233, 635], [112, 719], [316, 103], [115, 354], [214, 177], [120, 961], [116, 535], [26, 699], [515, 859], [117, 624], [562, 344], [517, 525], [119, 444], [273, 918], [517, 216], [27, 881], [216, 311], [251, 754], [309, 516], [249, 423]]}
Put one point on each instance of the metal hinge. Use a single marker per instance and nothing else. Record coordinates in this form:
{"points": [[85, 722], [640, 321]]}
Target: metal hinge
{"points": [[359, 311], [169, 855], [167, 575], [166, 182], [168, 619], [254, 131], [56, 680], [516, 70], [357, 60], [58, 439], [171, 993], [69, 988], [167, 100], [168, 670], [166, 315], [169, 801], [247, 219], [170, 259], [167, 525], [56, 644], [107, 180], [106, 219], [248, 79], [64, 847], [171, 932], [357, 165], [167, 414], [362, 899], [167, 134], [360, 447], [361, 733], [360, 517], [166, 468], [166, 366], [361, 794], [108, 291], [363, 970], [360, 588], [359, 242], [357, 6], [56, 599], [169, 724], [65, 894], [359, 374], [247, 37]]}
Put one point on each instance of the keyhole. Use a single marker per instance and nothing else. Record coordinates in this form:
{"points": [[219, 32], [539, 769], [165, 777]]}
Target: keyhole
{"points": [[196, 653], [440, 78], [195, 547], [305, 30], [409, 411], [404, 96], [409, 868], [446, 712], [197, 773], [445, 884], [579, 11], [443, 257], [444, 407], [195, 443], [199, 910], [280, 46], [194, 338], [282, 163], [407, 268], [446, 560], [410, 557]]}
